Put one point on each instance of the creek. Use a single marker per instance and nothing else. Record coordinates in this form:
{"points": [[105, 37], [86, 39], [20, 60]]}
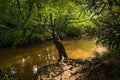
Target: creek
{"points": [[25, 61]]}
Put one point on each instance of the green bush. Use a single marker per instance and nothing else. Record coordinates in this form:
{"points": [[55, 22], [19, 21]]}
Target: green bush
{"points": [[15, 38], [73, 31], [10, 38]]}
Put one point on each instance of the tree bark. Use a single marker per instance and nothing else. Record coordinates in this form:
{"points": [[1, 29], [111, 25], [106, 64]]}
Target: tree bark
{"points": [[57, 42]]}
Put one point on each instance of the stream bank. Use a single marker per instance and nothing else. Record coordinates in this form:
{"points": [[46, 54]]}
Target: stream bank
{"points": [[99, 68]]}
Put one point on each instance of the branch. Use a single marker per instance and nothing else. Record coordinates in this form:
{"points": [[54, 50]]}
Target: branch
{"points": [[19, 8], [80, 21], [30, 8], [2, 26]]}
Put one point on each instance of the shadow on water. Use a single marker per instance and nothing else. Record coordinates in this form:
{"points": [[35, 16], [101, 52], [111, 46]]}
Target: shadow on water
{"points": [[24, 62]]}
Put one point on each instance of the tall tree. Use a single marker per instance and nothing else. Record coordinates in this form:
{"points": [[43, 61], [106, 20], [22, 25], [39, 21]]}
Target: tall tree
{"points": [[57, 41]]}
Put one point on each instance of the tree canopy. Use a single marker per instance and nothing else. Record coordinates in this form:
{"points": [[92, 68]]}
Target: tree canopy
{"points": [[71, 18]]}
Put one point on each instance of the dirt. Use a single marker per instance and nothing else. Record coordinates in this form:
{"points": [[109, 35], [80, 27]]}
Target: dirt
{"points": [[68, 69], [78, 69]]}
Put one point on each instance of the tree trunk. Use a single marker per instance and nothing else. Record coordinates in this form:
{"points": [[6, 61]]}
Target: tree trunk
{"points": [[57, 42]]}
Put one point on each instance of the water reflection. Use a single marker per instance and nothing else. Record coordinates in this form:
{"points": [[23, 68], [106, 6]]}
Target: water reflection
{"points": [[26, 61], [53, 57], [13, 70], [38, 55], [101, 50], [35, 68], [23, 60]]}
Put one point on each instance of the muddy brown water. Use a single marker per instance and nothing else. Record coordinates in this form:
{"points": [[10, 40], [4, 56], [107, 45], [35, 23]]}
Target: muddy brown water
{"points": [[24, 62]]}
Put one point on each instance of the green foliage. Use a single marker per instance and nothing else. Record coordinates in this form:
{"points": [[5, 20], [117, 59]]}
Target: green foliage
{"points": [[11, 38], [41, 36], [71, 18], [108, 32], [73, 31], [25, 17], [107, 23], [14, 37]]}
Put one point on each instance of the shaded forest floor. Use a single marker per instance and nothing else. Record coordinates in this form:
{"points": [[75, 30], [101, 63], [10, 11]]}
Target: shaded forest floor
{"points": [[81, 69]]}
